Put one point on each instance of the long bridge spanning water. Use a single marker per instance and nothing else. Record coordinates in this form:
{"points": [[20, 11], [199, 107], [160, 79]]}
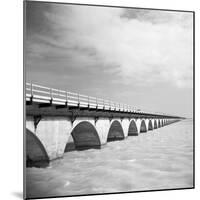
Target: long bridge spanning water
{"points": [[54, 117]]}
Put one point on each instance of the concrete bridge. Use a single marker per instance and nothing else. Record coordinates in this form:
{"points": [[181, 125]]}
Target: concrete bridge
{"points": [[56, 120]]}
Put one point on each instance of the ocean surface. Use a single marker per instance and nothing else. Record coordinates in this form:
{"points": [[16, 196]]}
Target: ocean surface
{"points": [[158, 159]]}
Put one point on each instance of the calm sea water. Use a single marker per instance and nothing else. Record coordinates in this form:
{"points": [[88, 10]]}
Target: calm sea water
{"points": [[158, 159]]}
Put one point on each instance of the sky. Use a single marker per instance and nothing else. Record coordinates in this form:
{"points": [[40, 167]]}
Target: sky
{"points": [[139, 57]]}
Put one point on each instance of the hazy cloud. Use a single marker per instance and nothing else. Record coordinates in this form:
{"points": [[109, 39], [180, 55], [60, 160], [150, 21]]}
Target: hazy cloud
{"points": [[109, 46], [137, 48]]}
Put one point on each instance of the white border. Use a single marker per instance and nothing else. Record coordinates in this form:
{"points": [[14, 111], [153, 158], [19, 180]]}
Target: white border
{"points": [[12, 98]]}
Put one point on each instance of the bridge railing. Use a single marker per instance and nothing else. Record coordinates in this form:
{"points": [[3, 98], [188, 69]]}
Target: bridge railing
{"points": [[38, 93]]}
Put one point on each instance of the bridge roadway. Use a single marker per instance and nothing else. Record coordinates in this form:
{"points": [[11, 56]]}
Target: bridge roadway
{"points": [[56, 120]]}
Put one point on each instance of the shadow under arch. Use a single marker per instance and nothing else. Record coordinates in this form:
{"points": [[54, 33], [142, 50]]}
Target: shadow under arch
{"points": [[36, 155], [150, 126], [115, 132], [84, 137], [155, 124], [159, 124], [132, 130], [143, 127]]}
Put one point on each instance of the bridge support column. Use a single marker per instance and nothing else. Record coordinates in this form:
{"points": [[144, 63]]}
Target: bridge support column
{"points": [[125, 126], [102, 126], [53, 133]]}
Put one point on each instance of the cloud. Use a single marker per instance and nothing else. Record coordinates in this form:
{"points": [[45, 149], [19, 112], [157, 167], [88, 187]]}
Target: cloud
{"points": [[140, 47]]}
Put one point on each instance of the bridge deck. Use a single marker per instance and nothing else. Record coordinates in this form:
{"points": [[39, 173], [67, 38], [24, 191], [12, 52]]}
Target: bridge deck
{"points": [[43, 97]]}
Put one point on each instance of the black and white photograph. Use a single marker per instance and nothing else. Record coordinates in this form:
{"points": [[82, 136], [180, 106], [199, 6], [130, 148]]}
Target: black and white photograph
{"points": [[108, 99]]}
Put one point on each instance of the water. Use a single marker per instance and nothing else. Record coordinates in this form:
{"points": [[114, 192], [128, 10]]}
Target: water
{"points": [[158, 159]]}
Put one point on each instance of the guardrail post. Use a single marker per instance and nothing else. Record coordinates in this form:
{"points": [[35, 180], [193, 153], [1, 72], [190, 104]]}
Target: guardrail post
{"points": [[66, 98], [31, 90], [51, 93], [78, 99]]}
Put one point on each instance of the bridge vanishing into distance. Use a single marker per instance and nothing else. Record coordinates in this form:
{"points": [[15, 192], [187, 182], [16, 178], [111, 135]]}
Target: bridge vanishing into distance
{"points": [[58, 120]]}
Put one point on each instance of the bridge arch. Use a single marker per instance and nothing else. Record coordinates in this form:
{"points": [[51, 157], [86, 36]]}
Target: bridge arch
{"points": [[155, 124], [150, 125], [143, 127], [163, 122], [36, 154], [159, 123], [85, 136], [133, 130], [115, 131]]}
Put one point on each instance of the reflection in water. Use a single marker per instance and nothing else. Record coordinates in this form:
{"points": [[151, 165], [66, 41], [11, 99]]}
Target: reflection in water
{"points": [[159, 159]]}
